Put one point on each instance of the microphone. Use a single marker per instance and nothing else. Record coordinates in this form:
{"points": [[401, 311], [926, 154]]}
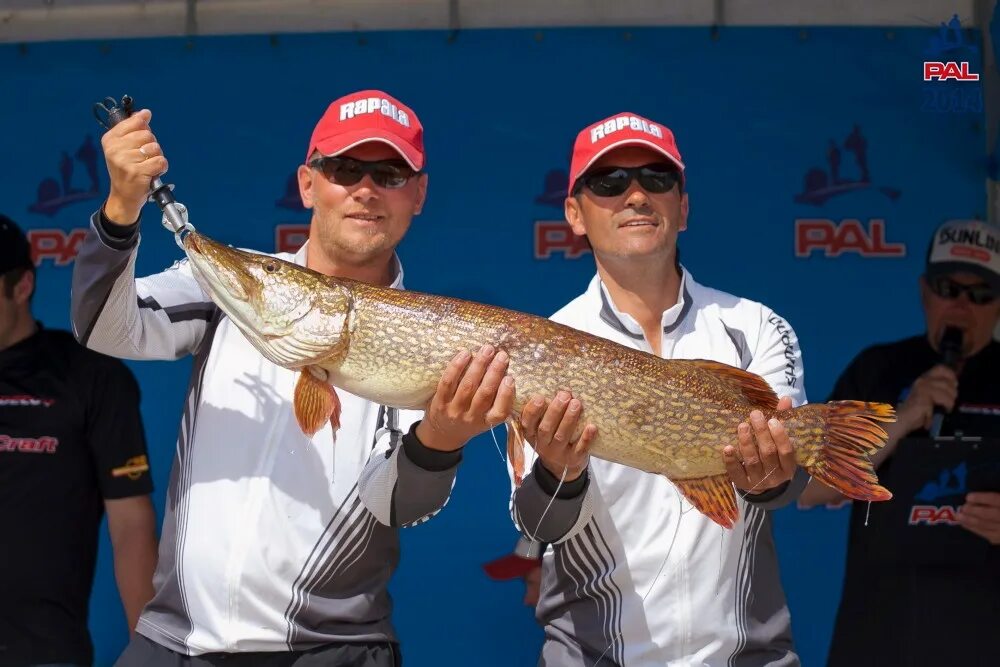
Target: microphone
{"points": [[951, 354]]}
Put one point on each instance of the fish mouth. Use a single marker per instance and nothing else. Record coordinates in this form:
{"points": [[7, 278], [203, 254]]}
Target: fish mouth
{"points": [[215, 277]]}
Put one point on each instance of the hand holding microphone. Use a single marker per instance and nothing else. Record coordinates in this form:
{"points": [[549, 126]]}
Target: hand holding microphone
{"points": [[951, 356], [934, 393]]}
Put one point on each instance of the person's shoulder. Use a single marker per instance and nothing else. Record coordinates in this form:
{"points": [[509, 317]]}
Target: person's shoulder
{"points": [[889, 353], [733, 309], [574, 311], [83, 359]]}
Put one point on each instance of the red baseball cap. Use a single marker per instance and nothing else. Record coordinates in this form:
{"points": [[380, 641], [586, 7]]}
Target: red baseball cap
{"points": [[622, 129], [369, 115]]}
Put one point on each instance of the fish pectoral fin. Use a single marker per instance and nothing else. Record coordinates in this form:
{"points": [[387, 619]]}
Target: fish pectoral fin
{"points": [[315, 401], [754, 387], [714, 497], [515, 449]]}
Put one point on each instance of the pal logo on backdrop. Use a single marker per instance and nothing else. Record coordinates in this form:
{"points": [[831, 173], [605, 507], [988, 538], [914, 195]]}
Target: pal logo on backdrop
{"points": [[846, 172], [71, 180]]}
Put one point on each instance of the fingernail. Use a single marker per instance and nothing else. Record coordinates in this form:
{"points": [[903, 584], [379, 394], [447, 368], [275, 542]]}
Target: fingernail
{"points": [[538, 401], [772, 422], [487, 350], [562, 397], [501, 356], [463, 355], [508, 380], [574, 405]]}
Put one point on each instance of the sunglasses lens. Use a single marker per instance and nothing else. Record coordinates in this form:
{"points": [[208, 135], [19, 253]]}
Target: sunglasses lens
{"points": [[979, 294], [608, 183], [341, 172], [657, 181], [390, 176], [613, 181], [345, 171]]}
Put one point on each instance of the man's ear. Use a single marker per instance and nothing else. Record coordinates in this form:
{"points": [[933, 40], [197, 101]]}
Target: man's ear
{"points": [[24, 288], [684, 213], [421, 194], [306, 180], [574, 216]]}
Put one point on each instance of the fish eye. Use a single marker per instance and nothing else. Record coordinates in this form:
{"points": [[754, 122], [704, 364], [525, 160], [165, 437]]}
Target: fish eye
{"points": [[270, 266]]}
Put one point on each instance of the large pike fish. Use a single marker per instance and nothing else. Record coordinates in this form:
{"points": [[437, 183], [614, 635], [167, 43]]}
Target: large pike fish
{"points": [[671, 417]]}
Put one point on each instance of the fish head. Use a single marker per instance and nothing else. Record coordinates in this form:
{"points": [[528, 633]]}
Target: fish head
{"points": [[293, 315]]}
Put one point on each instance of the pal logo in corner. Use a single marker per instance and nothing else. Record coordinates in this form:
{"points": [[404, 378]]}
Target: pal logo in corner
{"points": [[951, 71]]}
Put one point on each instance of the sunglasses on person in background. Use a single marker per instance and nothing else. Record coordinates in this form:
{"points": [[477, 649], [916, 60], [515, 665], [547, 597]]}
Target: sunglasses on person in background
{"points": [[389, 174], [613, 181], [946, 288]]}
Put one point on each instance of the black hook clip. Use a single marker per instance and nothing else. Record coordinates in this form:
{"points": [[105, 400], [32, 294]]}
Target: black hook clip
{"points": [[108, 113]]}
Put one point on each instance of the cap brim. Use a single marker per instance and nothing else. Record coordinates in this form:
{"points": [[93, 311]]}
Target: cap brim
{"points": [[344, 142], [941, 268], [619, 144]]}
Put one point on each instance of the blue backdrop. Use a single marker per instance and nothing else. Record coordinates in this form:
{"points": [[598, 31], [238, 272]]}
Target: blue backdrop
{"points": [[776, 126]]}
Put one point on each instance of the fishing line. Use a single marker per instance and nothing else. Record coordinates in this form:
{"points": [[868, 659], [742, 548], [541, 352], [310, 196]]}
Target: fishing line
{"points": [[680, 516], [551, 500], [497, 444]]}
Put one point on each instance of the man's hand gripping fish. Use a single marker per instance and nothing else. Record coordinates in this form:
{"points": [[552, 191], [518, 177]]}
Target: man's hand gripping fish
{"points": [[671, 417]]}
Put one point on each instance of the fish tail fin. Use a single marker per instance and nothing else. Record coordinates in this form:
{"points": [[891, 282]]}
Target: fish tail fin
{"points": [[834, 442], [515, 450]]}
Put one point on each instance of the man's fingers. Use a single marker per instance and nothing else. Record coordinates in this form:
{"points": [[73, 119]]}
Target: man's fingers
{"points": [[786, 453], [550, 420], [582, 446], [486, 394], [748, 451], [982, 512], [503, 404], [766, 448], [138, 120], [784, 403], [450, 377], [531, 415], [737, 474], [568, 423], [472, 378]]}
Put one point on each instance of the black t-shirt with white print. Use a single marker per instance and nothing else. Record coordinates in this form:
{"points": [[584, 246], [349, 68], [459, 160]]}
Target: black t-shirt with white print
{"points": [[897, 607], [71, 436]]}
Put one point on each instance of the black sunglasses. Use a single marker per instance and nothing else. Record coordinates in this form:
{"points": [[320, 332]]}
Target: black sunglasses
{"points": [[946, 288], [613, 181], [389, 174]]}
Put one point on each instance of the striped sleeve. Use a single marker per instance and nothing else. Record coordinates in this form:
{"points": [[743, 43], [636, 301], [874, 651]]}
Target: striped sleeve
{"points": [[162, 316], [545, 510], [405, 483]]}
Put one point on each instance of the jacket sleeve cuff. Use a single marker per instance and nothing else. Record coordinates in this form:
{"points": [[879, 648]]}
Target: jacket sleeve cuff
{"points": [[781, 495], [118, 237], [549, 483], [424, 457]]}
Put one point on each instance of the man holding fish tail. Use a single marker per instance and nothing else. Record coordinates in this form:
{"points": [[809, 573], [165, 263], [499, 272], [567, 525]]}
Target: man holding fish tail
{"points": [[634, 575], [274, 549]]}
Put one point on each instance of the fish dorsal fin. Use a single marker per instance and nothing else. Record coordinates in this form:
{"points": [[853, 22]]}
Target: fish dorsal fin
{"points": [[712, 496], [754, 387]]}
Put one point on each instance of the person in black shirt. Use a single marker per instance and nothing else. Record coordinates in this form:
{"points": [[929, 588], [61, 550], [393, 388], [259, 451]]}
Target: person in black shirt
{"points": [[71, 447], [900, 606]]}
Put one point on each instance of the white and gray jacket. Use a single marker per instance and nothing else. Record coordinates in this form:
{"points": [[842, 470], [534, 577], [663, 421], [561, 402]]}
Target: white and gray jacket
{"points": [[634, 575], [267, 543]]}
